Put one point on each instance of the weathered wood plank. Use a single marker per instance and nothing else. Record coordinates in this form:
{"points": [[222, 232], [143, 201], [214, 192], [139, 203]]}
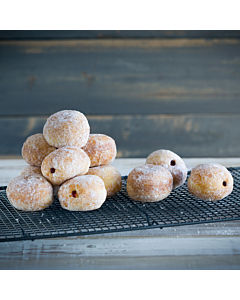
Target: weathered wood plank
{"points": [[137, 136], [72, 34], [119, 253], [120, 76]]}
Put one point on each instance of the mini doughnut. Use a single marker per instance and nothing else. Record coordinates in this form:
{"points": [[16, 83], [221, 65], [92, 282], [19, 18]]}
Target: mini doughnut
{"points": [[82, 193], [172, 162], [101, 149], [65, 163], [35, 149], [31, 170], [210, 182], [149, 183], [30, 192], [111, 177], [66, 128]]}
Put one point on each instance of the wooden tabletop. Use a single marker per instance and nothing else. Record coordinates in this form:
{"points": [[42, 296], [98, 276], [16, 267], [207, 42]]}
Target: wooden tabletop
{"points": [[205, 246]]}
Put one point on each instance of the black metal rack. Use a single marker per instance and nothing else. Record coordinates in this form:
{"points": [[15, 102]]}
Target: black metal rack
{"points": [[117, 214]]}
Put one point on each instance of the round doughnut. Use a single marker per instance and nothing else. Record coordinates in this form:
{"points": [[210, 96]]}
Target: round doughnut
{"points": [[35, 149], [31, 170], [111, 177], [66, 128], [101, 149], [65, 163], [82, 193], [172, 162], [210, 182], [149, 183], [30, 192]]}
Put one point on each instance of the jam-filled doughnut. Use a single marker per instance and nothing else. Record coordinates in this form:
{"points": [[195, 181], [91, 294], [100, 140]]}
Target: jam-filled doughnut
{"points": [[31, 170], [35, 149], [82, 193], [30, 192], [149, 183], [210, 182], [110, 176], [66, 128], [65, 163], [101, 149], [172, 162]]}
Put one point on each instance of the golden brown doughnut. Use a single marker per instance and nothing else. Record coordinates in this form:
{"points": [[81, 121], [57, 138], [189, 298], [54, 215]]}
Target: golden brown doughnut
{"points": [[31, 170], [35, 149], [101, 149], [210, 182], [82, 193], [30, 192], [172, 162], [149, 183], [110, 176], [65, 163], [66, 128]]}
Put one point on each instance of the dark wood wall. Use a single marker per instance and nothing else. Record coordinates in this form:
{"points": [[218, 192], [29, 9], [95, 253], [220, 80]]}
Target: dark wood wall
{"points": [[149, 90]]}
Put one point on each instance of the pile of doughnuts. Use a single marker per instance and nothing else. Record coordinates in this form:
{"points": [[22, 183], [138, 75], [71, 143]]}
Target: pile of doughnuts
{"points": [[164, 171], [67, 161]]}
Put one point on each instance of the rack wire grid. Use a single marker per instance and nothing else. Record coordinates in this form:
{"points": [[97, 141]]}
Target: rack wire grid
{"points": [[117, 214]]}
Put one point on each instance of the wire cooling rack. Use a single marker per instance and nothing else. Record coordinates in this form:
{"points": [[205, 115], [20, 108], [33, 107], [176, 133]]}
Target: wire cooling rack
{"points": [[117, 214]]}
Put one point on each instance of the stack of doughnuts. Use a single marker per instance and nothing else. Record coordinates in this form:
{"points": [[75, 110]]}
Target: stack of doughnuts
{"points": [[67, 161], [164, 171]]}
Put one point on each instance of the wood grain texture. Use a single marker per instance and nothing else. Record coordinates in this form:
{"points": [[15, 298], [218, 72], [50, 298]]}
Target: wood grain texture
{"points": [[146, 76], [119, 253], [138, 136], [70, 34]]}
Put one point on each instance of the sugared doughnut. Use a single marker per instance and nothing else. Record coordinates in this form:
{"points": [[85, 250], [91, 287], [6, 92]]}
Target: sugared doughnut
{"points": [[101, 149], [110, 176], [31, 170], [82, 193], [64, 164], [30, 192], [210, 182], [172, 162], [149, 183], [35, 149], [66, 128]]}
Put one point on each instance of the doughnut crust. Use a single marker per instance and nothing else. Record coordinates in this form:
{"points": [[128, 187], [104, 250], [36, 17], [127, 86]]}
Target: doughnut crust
{"points": [[31, 170], [67, 128], [82, 193], [35, 149], [111, 177], [65, 163], [101, 149], [172, 162], [30, 192], [210, 182], [149, 183]]}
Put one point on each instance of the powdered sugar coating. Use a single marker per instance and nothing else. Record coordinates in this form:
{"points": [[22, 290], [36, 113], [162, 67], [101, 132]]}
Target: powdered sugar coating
{"points": [[67, 162], [149, 183], [30, 192], [101, 149], [89, 190], [31, 170], [67, 128], [206, 182], [35, 149], [163, 158], [110, 176]]}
